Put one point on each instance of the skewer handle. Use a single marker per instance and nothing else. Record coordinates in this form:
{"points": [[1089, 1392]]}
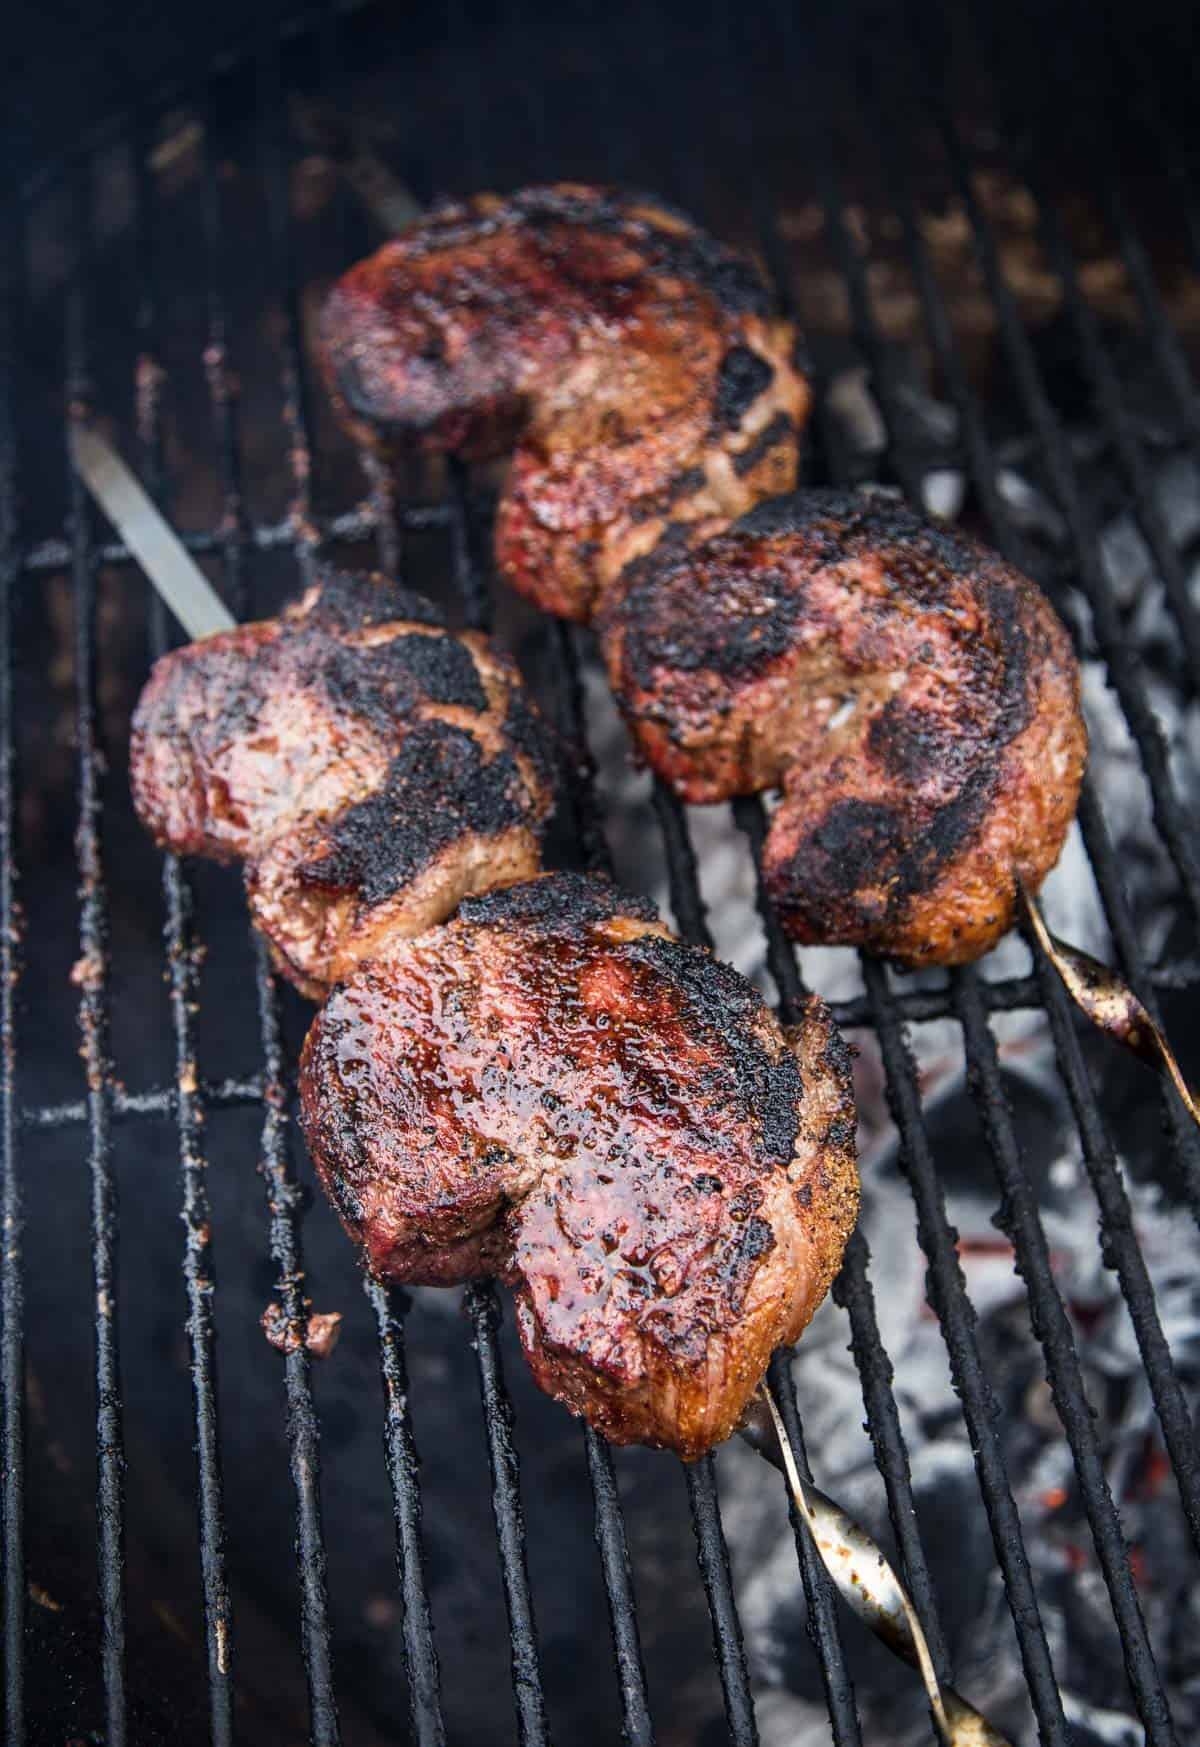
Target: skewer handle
{"points": [[1107, 1000], [151, 539], [866, 1581]]}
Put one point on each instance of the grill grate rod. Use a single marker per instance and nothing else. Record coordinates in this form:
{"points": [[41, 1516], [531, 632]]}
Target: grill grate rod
{"points": [[1098, 367], [284, 1195], [94, 971], [350, 528], [471, 584], [946, 1287], [984, 474], [713, 1556], [180, 970], [1098, 1155], [12, 1300], [420, 1654], [483, 1308], [852, 1292], [687, 905], [1053, 1329], [1021, 1222], [1124, 665]]}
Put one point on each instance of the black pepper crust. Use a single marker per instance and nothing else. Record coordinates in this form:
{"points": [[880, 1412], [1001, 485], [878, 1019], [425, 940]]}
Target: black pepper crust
{"points": [[356, 600], [559, 902]]}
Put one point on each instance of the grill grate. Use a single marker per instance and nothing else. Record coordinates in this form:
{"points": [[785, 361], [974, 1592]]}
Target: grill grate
{"points": [[891, 69]]}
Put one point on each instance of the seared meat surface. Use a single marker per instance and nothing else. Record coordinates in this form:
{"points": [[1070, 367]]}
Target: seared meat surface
{"points": [[369, 766], [634, 362], [555, 1090], [915, 697]]}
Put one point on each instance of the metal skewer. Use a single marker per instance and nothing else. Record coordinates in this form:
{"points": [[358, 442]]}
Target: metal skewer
{"points": [[865, 1580], [149, 536], [1107, 1000]]}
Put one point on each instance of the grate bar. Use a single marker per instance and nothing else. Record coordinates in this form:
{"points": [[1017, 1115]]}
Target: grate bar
{"points": [[154, 1101], [945, 1286], [637, 1728], [1186, 1144], [947, 1293], [712, 1555], [351, 528], [232, 538], [181, 964], [852, 1291], [1102, 377], [94, 1026], [823, 1625], [284, 1203], [404, 1472], [1021, 1222], [1123, 1252], [283, 1193], [483, 1308], [12, 1295], [688, 908], [1123, 663]]}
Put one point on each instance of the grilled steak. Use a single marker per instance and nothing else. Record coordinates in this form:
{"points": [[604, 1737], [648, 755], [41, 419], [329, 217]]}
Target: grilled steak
{"points": [[915, 697], [555, 1090], [634, 362], [369, 766]]}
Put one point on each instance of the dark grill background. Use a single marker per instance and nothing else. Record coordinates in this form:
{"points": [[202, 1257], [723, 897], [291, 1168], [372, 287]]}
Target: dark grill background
{"points": [[162, 277]]}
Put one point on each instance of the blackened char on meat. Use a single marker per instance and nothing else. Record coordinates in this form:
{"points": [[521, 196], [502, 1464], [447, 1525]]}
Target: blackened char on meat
{"points": [[555, 1090], [915, 697], [368, 765], [632, 362]]}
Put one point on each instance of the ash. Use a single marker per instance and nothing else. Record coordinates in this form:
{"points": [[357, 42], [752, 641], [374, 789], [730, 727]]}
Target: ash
{"points": [[1082, 1636]]}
